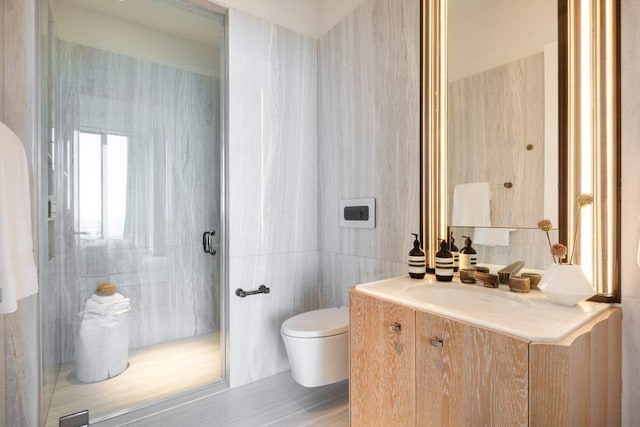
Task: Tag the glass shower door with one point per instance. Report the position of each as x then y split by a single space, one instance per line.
135 178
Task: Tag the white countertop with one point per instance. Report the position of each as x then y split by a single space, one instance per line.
542 321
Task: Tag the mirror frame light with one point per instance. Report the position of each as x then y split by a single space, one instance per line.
589 133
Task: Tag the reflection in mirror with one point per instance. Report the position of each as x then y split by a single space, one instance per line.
502 133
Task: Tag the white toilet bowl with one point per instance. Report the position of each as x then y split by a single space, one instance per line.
317 344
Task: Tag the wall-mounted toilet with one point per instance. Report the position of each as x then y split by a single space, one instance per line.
317 344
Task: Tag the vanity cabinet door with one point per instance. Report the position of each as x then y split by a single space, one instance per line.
382 370
469 376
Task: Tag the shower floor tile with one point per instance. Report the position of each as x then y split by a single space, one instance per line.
154 372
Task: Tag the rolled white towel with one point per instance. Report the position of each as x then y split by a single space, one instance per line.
110 308
117 307
101 299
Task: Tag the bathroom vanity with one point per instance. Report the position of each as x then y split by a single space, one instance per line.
423 354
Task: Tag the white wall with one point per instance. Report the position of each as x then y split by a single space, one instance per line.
331 12
488 33
130 38
312 18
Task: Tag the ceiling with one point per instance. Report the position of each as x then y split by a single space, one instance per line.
161 15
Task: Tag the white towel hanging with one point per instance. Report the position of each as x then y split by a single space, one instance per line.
492 236
471 205
18 274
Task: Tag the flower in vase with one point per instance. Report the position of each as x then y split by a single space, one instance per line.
545 225
559 250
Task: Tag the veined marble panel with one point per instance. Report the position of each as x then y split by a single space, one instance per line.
257 349
369 127
630 368
339 272
272 138
19 344
272 189
492 117
369 142
630 211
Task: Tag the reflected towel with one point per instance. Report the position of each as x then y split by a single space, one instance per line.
18 274
491 236
471 205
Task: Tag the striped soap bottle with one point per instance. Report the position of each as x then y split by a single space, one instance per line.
417 260
468 255
444 263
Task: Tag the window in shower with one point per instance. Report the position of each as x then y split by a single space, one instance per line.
101 183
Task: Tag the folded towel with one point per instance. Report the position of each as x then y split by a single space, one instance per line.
491 236
113 305
18 273
471 205
103 299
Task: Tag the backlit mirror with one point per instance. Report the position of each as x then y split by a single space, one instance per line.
494 115
502 127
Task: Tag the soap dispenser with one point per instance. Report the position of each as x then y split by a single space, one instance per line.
444 263
417 260
468 255
455 252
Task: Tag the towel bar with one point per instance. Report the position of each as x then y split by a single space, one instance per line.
261 290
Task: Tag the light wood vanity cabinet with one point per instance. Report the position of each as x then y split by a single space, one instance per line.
382 383
410 367
469 376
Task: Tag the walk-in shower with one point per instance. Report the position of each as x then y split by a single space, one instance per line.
133 109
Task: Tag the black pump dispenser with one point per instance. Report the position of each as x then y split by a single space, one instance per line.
468 255
444 263
417 260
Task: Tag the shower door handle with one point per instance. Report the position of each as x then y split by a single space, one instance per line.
207 242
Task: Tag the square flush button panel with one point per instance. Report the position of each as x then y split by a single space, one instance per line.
358 213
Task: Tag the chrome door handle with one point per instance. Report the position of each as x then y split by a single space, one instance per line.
207 242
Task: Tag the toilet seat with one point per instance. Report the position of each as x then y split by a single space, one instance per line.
318 323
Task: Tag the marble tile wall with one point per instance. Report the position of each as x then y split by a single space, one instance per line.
272 189
630 256
368 142
492 118
172 197
19 331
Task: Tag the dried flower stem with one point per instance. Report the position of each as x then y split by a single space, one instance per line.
549 240
575 236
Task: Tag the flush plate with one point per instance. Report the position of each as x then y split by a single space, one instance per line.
358 213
